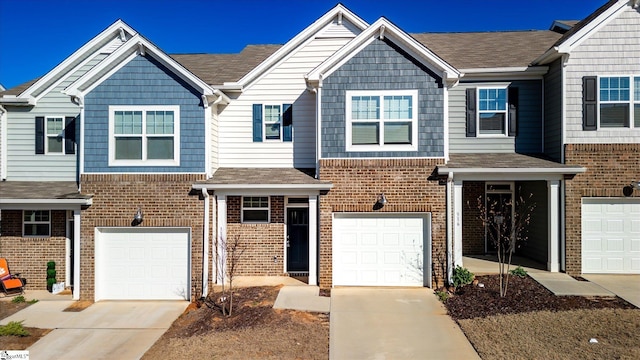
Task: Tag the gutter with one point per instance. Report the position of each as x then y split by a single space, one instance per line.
558 170
318 187
205 250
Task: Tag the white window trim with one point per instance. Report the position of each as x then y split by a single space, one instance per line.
631 102
47 136
24 222
264 123
479 133
144 108
268 208
382 147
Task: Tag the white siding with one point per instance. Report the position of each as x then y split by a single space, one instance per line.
614 50
284 84
22 162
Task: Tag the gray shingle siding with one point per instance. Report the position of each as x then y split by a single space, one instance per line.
382 67
144 81
553 111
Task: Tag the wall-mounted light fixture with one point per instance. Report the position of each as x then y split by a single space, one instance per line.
628 190
137 218
381 200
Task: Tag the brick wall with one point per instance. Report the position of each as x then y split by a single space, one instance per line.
166 201
29 256
263 243
610 167
472 228
357 183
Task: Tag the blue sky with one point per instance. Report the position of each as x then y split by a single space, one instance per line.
36 35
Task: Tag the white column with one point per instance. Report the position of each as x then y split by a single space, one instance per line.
76 254
313 240
457 222
205 245
221 256
554 220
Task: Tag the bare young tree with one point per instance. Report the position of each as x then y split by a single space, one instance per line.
228 264
506 224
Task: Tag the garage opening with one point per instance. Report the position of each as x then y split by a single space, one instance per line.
142 263
382 249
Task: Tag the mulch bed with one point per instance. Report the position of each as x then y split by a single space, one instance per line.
523 295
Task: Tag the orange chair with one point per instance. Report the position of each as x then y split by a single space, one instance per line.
11 284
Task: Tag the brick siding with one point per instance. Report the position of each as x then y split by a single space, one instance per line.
167 200
357 183
29 255
610 167
472 228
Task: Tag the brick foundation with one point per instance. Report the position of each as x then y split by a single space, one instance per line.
29 255
166 200
610 167
356 183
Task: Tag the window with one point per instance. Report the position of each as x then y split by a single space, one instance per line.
611 102
37 223
144 135
55 135
272 122
382 120
492 111
255 209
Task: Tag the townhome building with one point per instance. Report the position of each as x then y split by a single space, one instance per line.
352 155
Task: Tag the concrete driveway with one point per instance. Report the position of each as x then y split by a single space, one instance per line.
105 330
624 286
393 323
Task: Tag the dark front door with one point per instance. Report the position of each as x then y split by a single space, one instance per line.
298 239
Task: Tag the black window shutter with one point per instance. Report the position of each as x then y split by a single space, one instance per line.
589 103
39 134
69 134
471 112
257 122
287 121
513 111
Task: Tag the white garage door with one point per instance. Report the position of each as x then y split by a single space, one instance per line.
381 250
611 236
142 264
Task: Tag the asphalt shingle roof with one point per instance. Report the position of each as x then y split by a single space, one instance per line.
503 160
40 190
262 176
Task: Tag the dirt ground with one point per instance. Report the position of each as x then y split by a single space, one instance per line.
532 323
254 331
8 308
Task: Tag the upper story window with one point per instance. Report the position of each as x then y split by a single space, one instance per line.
492 111
272 122
37 223
611 102
382 120
144 135
255 209
55 135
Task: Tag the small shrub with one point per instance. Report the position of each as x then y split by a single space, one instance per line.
462 276
442 295
13 328
18 299
519 272
32 301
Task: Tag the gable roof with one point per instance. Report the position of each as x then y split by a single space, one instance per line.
28 90
475 50
216 69
137 45
383 28
583 29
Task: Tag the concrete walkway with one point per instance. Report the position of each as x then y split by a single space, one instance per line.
562 284
104 330
626 287
393 323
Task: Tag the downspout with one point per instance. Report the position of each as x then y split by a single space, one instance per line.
449 229
205 251
3 142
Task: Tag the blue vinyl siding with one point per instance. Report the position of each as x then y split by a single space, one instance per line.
144 81
382 67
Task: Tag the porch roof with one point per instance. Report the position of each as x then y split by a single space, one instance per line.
18 194
487 163
262 179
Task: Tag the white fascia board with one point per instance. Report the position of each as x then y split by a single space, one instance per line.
592 27
125 54
52 204
504 171
282 188
113 29
299 39
399 37
18 101
516 71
